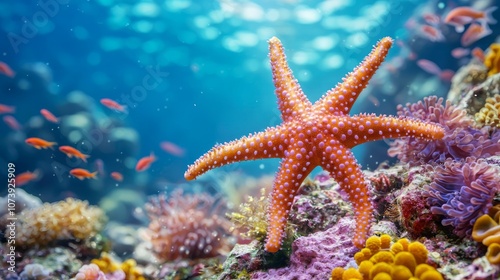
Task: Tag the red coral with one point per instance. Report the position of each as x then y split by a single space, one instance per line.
416 216
187 227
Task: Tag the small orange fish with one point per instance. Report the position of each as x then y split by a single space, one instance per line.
111 104
11 122
461 16
5 109
40 143
432 33
81 173
49 116
26 177
145 162
478 53
474 33
117 176
6 70
72 152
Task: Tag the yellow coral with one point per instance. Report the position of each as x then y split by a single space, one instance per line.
382 276
382 256
401 272
492 59
380 268
252 217
486 229
419 251
404 261
107 265
351 273
490 113
385 241
337 273
67 219
373 243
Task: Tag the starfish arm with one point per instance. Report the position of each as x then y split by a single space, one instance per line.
266 144
363 128
340 99
292 172
343 167
291 98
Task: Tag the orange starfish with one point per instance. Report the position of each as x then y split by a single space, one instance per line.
316 135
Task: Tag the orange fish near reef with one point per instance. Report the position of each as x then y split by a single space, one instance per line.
6 70
72 152
5 109
81 173
26 177
40 143
461 16
117 176
111 104
475 32
145 162
49 116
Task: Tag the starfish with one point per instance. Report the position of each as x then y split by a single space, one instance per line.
323 135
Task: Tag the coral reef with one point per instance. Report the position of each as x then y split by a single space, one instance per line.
461 138
490 113
188 226
462 191
381 260
71 219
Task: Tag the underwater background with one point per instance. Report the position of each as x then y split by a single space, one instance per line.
192 74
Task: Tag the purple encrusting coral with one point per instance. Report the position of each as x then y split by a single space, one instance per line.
462 191
461 138
315 256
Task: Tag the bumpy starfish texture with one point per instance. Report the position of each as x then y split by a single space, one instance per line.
316 135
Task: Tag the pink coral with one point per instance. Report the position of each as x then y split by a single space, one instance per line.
187 226
90 272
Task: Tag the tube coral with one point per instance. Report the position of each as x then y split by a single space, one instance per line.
462 191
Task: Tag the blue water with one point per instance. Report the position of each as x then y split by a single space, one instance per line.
194 73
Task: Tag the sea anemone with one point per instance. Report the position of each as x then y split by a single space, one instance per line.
461 138
187 226
462 191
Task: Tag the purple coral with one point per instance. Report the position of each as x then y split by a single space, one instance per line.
461 139
462 191
188 226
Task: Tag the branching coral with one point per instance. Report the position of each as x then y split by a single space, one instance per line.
380 260
492 59
461 139
70 219
490 113
462 191
187 226
252 217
